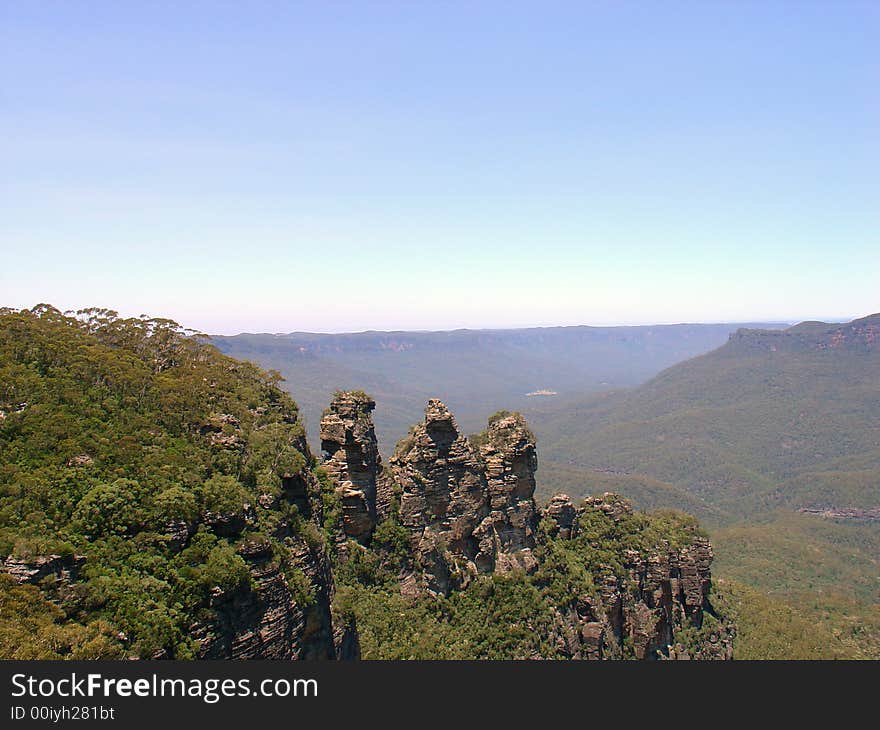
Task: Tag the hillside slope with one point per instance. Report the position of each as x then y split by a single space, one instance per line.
773 418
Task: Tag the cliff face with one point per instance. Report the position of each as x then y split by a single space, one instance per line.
285 611
645 609
269 621
860 335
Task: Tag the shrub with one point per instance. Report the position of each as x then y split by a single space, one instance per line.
109 509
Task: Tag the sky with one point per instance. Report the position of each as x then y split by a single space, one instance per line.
342 166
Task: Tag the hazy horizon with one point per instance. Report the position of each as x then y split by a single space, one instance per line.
281 333
227 332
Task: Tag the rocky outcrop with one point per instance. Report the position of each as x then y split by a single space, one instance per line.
351 459
564 517
856 514
222 430
443 501
510 463
580 631
643 611
469 509
60 568
270 619
285 611
468 506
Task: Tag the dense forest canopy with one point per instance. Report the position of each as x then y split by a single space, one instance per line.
116 435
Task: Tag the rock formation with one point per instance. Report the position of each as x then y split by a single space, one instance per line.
641 613
36 569
468 507
443 500
351 459
563 515
469 511
510 464
856 514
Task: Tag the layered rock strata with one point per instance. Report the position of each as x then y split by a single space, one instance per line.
641 612
270 620
285 611
351 459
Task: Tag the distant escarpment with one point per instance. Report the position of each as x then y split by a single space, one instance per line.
459 547
859 335
856 514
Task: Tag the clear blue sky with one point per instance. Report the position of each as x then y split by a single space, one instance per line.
339 166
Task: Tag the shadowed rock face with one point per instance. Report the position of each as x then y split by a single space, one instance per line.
267 619
468 511
351 459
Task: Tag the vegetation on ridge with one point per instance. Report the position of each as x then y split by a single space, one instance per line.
510 616
115 434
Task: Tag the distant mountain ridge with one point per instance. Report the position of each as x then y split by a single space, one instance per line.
404 340
476 371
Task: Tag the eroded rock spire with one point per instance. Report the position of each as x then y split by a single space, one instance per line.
351 459
468 506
